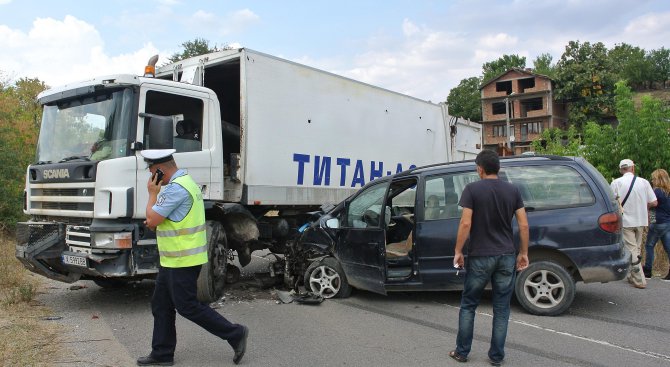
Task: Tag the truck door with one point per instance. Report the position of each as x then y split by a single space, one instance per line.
189 113
361 240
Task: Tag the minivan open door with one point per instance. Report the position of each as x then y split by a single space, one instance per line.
360 246
362 258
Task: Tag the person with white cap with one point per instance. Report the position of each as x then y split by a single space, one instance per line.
177 213
636 197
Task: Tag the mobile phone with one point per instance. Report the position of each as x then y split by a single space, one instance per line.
158 175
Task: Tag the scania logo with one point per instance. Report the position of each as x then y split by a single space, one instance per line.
56 173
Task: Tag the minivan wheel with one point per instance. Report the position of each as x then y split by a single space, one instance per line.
545 288
326 278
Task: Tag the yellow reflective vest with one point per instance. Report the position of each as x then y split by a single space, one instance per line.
184 243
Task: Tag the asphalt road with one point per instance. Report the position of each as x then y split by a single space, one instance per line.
610 324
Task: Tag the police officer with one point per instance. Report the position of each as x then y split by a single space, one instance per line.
177 214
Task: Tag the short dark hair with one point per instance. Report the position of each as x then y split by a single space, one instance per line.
488 160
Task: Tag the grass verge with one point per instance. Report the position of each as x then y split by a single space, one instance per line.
26 339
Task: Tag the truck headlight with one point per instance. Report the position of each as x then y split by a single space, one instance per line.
113 240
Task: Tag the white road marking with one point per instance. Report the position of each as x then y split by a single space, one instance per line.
591 340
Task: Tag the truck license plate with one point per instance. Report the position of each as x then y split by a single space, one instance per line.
75 260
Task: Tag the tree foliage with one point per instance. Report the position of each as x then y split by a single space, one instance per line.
19 113
601 149
198 46
559 142
660 64
464 100
494 68
631 64
636 137
585 78
642 135
542 65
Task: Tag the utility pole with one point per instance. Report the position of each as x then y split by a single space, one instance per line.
507 125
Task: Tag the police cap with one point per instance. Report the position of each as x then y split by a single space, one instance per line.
155 156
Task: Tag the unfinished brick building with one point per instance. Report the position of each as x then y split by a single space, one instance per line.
529 100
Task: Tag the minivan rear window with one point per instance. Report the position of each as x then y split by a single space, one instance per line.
550 186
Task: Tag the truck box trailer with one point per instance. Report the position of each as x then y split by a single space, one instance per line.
267 140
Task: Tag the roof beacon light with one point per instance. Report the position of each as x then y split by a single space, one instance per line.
150 69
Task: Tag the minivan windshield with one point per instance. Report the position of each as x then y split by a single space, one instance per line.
91 127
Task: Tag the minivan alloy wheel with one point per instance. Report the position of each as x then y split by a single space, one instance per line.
545 288
326 278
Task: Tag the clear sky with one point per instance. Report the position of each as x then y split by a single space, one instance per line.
422 47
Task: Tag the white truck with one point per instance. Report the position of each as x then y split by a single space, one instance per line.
268 140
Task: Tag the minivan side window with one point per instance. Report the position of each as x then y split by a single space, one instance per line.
442 193
365 210
548 187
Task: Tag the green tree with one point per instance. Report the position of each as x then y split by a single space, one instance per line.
636 137
642 135
464 100
585 78
494 68
601 149
19 113
660 64
198 46
542 65
631 64
556 141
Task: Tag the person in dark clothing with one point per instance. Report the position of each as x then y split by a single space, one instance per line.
177 214
660 229
488 208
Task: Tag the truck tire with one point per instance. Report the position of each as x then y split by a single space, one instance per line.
213 273
326 278
545 288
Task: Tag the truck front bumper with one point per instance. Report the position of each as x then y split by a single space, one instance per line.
42 248
39 246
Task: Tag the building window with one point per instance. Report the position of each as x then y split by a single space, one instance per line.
505 86
526 83
533 104
533 127
498 108
501 130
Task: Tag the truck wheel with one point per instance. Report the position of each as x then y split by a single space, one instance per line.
110 283
213 273
545 288
326 278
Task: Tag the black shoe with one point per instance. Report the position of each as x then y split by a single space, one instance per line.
242 347
667 277
151 361
495 363
647 273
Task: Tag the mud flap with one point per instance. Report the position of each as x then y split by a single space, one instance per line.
39 246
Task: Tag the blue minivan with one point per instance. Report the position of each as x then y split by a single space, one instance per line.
398 233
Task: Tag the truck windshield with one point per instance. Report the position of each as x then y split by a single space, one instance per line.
92 127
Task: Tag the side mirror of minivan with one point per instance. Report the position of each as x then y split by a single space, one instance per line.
333 223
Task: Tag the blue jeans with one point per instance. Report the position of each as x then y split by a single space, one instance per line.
656 231
500 271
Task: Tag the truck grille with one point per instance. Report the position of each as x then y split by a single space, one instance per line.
78 236
62 199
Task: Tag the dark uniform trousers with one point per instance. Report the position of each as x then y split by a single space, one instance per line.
176 289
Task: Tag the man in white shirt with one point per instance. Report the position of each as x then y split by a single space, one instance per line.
636 197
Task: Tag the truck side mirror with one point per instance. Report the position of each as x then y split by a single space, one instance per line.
158 131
